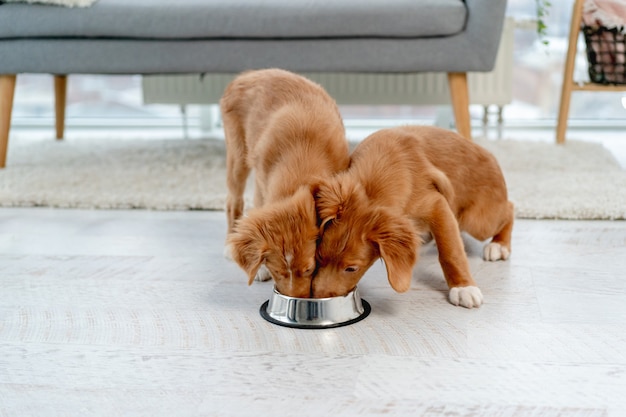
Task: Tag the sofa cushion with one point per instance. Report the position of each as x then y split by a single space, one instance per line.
236 19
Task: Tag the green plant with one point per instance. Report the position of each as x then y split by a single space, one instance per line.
543 7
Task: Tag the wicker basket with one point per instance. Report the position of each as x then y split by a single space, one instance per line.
606 53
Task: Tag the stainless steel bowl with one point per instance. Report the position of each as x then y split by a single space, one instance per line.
315 313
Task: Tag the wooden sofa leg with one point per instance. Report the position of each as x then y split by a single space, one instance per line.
459 94
7 91
60 94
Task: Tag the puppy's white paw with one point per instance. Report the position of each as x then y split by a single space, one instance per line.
468 297
228 252
495 252
263 274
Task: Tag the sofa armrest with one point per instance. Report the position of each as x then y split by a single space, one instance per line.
484 30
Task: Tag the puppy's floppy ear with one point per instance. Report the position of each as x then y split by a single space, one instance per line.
332 196
248 246
398 244
327 201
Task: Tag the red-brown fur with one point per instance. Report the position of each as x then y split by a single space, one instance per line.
288 130
403 184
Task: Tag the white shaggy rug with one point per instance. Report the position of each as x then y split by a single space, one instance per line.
579 180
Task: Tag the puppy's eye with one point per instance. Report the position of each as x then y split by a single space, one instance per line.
351 269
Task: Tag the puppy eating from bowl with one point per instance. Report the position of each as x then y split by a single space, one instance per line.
289 131
403 184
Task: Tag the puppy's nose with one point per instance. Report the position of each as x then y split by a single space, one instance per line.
317 292
301 291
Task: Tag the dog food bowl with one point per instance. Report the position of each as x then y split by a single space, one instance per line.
315 313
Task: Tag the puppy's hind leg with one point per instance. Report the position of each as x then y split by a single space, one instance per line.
500 246
234 198
237 171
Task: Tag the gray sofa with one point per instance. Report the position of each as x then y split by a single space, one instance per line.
229 36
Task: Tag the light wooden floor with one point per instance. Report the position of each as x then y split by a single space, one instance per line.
136 313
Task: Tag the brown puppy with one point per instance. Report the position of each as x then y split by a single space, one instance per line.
289 131
404 183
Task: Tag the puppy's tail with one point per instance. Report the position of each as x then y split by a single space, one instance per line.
442 184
